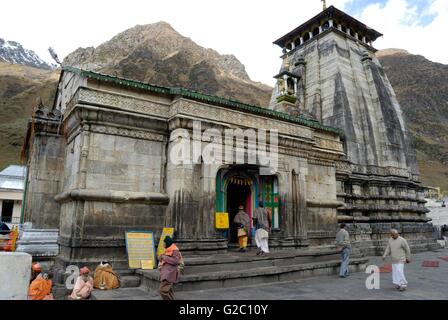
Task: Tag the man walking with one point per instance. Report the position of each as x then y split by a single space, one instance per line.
400 252
343 244
445 235
263 221
168 266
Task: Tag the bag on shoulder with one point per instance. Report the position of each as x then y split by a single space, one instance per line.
242 232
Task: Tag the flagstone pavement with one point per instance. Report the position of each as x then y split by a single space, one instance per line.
424 283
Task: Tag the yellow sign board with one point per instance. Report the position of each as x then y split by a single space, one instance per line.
147 264
161 246
222 220
140 249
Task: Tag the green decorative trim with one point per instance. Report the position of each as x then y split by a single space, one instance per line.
287 98
193 95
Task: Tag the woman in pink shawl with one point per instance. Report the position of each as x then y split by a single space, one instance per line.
83 286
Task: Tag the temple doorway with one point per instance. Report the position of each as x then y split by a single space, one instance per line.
237 194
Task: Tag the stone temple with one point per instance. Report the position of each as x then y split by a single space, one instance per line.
99 162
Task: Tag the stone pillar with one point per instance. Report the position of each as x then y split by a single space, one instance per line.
299 205
295 86
293 45
45 166
320 29
311 34
330 23
301 40
339 27
364 39
348 31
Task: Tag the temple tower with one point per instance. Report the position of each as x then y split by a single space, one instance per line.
330 73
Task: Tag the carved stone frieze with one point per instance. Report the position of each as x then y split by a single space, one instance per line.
123 102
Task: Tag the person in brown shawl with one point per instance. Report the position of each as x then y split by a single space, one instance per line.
105 278
242 222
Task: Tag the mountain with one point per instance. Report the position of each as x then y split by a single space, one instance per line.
20 87
13 52
421 87
156 53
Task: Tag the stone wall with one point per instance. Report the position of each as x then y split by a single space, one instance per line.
45 172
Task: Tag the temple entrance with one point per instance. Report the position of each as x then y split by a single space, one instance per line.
244 186
237 195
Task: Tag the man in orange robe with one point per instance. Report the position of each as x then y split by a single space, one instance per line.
105 278
40 288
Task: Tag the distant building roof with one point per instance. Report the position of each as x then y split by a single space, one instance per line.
13 178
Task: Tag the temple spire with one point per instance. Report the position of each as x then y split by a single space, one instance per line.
324 4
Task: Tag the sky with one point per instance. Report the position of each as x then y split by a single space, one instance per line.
244 28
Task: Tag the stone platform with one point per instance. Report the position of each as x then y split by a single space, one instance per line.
234 269
424 284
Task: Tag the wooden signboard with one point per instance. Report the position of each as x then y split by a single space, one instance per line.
140 249
222 220
161 246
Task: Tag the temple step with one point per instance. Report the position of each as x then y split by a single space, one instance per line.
130 281
241 261
248 274
124 294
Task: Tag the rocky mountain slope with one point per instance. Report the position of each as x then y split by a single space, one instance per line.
158 54
422 90
13 52
20 87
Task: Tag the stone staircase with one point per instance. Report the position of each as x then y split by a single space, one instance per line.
40 243
235 269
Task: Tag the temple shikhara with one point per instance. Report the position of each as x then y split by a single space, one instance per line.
99 164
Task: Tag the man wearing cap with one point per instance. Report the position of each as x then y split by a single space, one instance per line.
40 287
168 265
83 286
242 222
35 270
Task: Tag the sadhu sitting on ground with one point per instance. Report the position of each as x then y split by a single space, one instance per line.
242 222
105 278
40 287
83 286
36 269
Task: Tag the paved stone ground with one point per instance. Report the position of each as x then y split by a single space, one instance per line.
424 283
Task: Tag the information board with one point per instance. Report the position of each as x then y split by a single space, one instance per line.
222 220
161 246
140 249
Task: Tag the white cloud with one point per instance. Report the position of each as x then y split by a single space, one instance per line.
399 21
245 28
